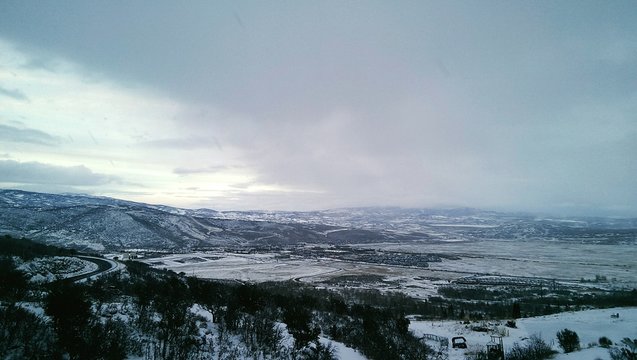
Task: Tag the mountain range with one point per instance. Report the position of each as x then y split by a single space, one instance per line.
107 224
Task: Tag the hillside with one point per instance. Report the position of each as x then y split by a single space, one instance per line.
100 223
109 224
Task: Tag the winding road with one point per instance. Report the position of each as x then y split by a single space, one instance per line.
103 266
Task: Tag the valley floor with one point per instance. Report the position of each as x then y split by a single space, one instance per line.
569 264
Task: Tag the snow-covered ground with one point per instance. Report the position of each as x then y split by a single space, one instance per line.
48 269
243 267
210 331
555 259
270 267
590 325
490 258
343 351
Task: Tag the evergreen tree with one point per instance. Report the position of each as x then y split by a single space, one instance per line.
70 310
515 310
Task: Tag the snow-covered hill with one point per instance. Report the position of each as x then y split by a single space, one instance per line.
590 325
103 223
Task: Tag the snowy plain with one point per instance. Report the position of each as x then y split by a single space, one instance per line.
565 262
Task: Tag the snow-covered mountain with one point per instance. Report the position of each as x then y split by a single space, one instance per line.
110 224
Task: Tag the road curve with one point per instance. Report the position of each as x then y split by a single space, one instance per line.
103 266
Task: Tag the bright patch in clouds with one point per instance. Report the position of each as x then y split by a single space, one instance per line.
65 129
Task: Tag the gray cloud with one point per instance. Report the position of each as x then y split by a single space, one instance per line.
508 105
39 173
184 143
43 62
25 135
243 185
14 94
203 170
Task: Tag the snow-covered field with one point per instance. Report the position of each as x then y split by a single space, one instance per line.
554 259
590 325
567 262
270 267
242 267
343 351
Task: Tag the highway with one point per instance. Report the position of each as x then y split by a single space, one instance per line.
103 266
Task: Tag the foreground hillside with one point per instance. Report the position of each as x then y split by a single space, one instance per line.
144 313
140 312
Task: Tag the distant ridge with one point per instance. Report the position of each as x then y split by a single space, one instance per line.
107 224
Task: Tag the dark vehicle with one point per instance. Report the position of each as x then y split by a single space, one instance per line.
459 342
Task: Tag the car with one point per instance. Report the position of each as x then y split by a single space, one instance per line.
459 342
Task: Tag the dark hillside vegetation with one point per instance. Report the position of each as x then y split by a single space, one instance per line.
501 302
159 314
150 313
28 249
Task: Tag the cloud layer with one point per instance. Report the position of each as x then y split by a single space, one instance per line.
15 94
504 105
39 173
14 134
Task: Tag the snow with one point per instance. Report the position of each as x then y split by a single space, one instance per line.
202 312
482 226
243 267
48 269
122 311
560 260
343 352
288 339
34 308
563 262
590 325
593 353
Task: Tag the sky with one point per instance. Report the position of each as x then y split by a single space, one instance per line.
306 105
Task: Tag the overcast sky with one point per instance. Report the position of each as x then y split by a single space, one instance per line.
300 105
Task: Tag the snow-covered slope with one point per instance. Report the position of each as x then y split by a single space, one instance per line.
110 224
590 325
103 223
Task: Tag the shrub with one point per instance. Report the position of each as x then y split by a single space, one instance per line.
24 335
628 351
70 309
605 342
13 282
568 340
317 351
515 310
537 349
478 355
